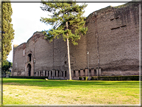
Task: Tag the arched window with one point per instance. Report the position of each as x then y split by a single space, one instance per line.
29 57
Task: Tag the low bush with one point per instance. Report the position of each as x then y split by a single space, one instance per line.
80 78
86 78
116 78
94 78
30 77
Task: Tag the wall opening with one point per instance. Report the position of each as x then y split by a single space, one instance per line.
58 73
123 26
117 18
55 73
115 28
45 73
62 74
74 73
89 72
79 73
65 73
29 69
51 73
114 18
29 57
95 72
84 72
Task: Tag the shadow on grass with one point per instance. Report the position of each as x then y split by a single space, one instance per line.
67 83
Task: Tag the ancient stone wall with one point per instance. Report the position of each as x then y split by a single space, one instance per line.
60 55
78 54
112 41
43 54
19 60
114 44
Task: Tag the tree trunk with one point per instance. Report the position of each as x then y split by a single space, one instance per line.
68 53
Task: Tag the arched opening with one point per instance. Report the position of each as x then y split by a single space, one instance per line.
29 57
29 69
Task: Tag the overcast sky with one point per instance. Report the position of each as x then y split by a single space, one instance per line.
26 19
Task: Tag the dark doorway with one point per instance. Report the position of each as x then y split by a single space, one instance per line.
29 69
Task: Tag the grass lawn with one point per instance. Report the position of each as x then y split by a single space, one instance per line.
39 91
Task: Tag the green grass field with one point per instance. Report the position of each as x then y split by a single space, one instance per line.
39 91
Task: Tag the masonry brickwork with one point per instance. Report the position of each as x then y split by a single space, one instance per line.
112 41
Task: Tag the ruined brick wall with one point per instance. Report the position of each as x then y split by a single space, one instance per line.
18 60
78 54
43 54
60 55
112 41
113 36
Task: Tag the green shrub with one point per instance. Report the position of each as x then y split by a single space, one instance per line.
86 78
95 78
80 78
30 77
116 78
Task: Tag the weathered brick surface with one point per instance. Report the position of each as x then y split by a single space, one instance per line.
112 41
118 48
18 59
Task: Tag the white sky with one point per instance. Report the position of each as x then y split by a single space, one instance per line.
26 19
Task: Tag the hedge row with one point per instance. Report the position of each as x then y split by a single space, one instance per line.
113 78
30 77
134 77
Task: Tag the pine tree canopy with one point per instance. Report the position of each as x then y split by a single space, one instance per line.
7 28
63 12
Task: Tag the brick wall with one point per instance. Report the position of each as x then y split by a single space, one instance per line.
117 35
112 40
